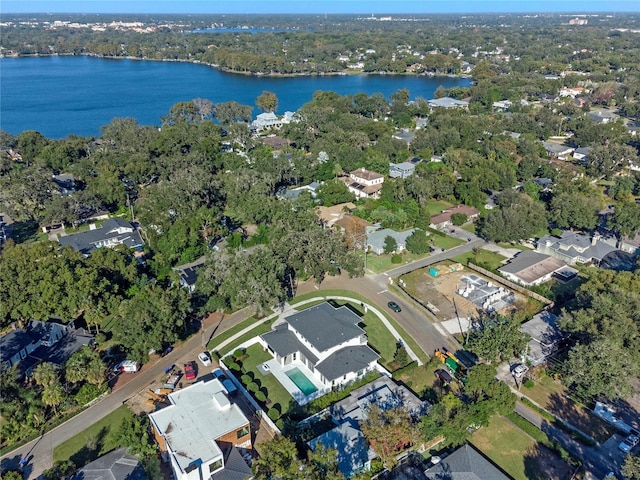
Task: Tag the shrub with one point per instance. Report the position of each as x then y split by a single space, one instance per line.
529 383
87 393
252 387
239 353
280 423
260 396
234 366
245 379
401 357
101 338
459 219
396 258
273 414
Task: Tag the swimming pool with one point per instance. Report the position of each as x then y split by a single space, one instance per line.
302 382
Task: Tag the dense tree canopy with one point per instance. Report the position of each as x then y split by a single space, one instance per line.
607 327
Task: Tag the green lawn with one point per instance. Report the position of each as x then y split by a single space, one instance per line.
515 245
262 327
552 396
382 263
445 242
419 378
437 206
470 227
517 453
481 258
94 441
275 392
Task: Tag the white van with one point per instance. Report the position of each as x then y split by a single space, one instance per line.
127 366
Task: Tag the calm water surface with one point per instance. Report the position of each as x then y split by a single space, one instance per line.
58 96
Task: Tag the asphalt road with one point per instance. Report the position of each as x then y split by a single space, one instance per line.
415 320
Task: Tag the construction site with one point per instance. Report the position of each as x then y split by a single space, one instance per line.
450 290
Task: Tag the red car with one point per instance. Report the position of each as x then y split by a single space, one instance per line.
190 371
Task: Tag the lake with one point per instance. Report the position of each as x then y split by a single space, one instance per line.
62 95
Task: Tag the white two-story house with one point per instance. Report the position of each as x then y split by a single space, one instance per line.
326 340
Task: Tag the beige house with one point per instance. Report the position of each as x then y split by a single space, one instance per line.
364 183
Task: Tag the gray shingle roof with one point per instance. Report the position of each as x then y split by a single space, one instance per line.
325 326
85 242
115 465
284 342
466 463
13 342
347 360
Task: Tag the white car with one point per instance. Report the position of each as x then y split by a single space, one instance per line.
520 370
204 358
628 443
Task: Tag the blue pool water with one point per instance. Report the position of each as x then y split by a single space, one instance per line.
301 381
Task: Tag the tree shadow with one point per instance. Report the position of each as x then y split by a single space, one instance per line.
91 450
579 417
542 464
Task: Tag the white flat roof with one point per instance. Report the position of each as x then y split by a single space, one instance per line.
195 419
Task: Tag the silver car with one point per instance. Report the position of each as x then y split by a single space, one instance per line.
204 358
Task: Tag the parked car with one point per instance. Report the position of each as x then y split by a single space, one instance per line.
205 359
519 370
190 371
444 376
629 443
394 306
226 383
127 366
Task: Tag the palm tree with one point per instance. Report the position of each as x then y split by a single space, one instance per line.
46 374
53 395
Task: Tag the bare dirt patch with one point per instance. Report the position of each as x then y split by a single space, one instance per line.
440 292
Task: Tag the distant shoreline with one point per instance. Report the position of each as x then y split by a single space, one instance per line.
249 74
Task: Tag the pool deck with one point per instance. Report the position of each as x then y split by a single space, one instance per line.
272 367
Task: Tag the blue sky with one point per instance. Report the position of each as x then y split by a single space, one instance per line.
321 6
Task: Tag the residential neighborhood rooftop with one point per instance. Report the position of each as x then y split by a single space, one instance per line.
113 231
466 463
325 326
198 415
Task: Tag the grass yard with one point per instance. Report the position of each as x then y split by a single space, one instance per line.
218 339
382 263
419 378
276 393
517 453
437 206
94 441
552 396
446 242
481 257
470 227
